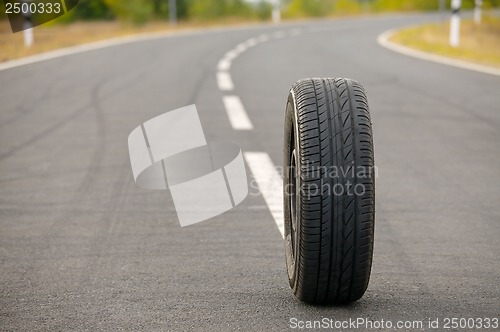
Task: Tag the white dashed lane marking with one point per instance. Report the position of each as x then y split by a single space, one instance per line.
225 81
224 64
236 113
264 171
270 184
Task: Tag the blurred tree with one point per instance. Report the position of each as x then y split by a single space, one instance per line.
348 7
211 9
264 10
160 8
3 15
182 9
92 10
314 8
137 11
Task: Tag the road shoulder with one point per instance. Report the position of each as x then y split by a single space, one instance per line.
384 41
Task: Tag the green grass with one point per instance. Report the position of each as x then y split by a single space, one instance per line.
478 43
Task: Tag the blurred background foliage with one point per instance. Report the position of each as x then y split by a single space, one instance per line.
321 8
141 11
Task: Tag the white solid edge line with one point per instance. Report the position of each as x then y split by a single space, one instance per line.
87 47
383 40
236 112
270 184
92 46
224 81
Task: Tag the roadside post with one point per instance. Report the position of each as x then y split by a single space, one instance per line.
277 11
478 11
172 10
27 26
455 23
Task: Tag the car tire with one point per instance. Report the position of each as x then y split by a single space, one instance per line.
329 190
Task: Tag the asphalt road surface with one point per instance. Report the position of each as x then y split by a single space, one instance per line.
81 247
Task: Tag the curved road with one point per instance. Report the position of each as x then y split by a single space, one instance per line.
81 247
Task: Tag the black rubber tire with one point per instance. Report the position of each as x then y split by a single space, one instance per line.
328 231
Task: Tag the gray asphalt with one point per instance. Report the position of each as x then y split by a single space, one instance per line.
82 248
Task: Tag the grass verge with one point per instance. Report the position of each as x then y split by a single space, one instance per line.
478 43
57 36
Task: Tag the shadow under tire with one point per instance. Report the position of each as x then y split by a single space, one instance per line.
329 190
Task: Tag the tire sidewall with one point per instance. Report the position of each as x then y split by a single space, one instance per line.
291 127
